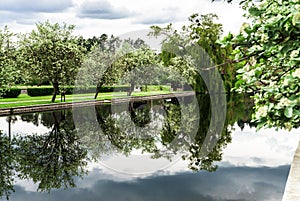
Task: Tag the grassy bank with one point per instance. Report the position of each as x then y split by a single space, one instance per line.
25 100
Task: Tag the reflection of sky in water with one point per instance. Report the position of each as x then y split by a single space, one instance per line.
254 167
228 183
22 127
263 148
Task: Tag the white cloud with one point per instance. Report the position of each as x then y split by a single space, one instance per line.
163 16
94 17
28 6
102 9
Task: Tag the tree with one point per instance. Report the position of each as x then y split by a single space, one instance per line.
9 71
269 51
198 39
98 69
103 42
139 66
7 164
52 52
101 66
54 159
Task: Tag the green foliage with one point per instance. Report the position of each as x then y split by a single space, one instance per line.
270 49
104 43
200 40
51 52
99 66
11 93
163 128
36 81
54 159
138 67
9 71
7 164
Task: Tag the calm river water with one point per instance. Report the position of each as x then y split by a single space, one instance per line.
164 149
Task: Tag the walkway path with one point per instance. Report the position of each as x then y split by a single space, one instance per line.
292 188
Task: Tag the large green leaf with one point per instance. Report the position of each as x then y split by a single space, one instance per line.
288 112
254 11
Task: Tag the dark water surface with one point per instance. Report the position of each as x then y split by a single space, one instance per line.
148 150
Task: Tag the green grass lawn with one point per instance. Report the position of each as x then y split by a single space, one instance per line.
25 100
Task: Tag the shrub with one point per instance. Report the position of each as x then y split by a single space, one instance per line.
11 93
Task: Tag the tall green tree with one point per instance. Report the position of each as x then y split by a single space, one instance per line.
102 64
98 69
269 48
52 52
138 66
199 39
9 71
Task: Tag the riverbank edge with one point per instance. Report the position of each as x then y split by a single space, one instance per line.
69 105
291 191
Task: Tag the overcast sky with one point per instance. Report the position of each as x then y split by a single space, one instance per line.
94 17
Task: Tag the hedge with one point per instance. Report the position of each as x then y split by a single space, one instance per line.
155 88
39 91
11 93
92 89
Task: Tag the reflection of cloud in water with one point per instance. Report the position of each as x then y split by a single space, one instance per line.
263 148
236 179
137 165
231 183
248 148
22 127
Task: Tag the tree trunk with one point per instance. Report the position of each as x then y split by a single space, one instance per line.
130 89
55 92
99 85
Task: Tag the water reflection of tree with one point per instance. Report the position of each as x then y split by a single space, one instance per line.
239 109
173 136
176 138
105 136
31 117
126 137
55 158
52 159
139 112
7 164
90 133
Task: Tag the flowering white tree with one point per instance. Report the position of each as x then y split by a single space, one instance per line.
269 48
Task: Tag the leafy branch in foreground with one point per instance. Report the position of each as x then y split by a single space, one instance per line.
273 74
